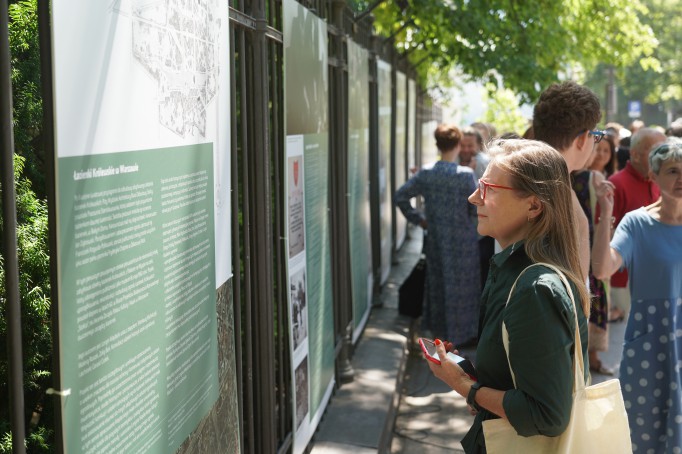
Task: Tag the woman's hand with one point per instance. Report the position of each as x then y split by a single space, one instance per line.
604 191
449 372
605 260
459 381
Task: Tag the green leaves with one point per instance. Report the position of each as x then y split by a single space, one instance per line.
34 290
528 44
27 100
658 79
656 76
503 111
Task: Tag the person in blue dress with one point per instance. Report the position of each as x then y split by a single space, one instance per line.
452 265
648 242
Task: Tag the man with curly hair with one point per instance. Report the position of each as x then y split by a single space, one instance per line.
565 117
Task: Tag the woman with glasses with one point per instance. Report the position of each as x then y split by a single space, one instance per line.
648 242
604 158
524 201
451 245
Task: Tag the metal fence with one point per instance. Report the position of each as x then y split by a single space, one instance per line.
260 290
259 286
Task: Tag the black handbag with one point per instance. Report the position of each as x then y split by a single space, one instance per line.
411 292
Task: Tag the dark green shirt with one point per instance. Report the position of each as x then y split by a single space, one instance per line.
540 322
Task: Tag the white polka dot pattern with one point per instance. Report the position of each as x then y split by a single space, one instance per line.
651 376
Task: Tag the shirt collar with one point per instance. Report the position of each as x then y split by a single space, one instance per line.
501 257
632 171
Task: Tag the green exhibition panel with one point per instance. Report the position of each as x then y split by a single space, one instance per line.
385 203
142 145
400 151
140 348
318 264
311 310
359 225
411 126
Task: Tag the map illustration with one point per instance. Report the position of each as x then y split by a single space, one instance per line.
177 43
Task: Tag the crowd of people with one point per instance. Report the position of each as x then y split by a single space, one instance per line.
598 212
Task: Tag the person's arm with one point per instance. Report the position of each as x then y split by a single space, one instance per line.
596 179
539 320
453 375
605 259
541 346
583 236
402 197
619 203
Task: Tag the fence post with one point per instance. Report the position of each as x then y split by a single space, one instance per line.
262 236
339 199
9 240
46 78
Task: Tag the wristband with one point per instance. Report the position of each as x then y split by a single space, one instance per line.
471 398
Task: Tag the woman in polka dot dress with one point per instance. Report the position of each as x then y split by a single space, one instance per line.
648 242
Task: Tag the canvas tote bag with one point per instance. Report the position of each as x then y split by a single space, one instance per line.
598 421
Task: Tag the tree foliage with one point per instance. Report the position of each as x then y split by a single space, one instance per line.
659 79
32 227
34 290
27 100
528 44
504 111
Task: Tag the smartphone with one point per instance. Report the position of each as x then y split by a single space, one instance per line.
429 349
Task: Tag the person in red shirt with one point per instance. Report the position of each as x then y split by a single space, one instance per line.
632 190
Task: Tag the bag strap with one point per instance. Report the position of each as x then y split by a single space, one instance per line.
578 367
593 198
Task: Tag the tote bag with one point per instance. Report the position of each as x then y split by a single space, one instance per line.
598 424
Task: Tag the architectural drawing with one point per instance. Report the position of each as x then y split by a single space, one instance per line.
177 43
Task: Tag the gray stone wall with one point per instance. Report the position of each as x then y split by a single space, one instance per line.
218 432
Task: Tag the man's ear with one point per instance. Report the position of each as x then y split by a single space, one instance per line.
581 140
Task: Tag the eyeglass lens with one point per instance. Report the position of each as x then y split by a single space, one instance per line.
598 136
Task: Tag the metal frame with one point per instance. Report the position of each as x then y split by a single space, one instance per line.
262 347
259 285
9 241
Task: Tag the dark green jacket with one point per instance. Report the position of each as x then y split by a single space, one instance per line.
540 323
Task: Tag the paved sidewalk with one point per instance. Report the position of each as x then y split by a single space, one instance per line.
432 418
361 414
395 405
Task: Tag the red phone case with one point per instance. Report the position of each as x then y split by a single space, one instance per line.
468 367
428 356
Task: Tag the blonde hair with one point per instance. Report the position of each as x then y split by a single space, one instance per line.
538 169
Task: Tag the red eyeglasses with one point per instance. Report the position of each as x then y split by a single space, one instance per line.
483 187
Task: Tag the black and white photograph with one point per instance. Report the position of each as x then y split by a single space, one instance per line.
299 310
301 391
